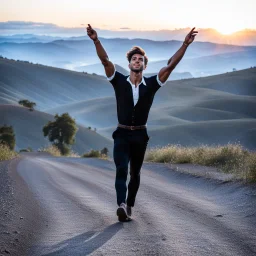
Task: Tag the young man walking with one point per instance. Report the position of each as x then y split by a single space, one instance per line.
134 97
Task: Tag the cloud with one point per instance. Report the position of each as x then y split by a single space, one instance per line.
16 25
22 27
125 28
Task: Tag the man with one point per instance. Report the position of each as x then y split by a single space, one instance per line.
134 97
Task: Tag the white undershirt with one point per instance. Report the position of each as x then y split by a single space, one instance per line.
135 90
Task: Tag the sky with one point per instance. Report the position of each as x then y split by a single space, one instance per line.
226 16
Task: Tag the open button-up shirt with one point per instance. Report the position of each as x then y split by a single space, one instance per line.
135 90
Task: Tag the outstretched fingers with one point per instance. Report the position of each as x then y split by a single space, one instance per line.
89 29
192 32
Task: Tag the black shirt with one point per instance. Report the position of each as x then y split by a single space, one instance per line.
127 113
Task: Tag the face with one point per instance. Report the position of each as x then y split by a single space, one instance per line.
137 63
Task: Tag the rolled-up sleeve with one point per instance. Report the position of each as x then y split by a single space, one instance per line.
159 82
110 78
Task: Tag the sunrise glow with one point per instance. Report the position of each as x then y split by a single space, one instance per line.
225 16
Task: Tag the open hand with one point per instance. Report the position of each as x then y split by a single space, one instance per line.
91 33
190 36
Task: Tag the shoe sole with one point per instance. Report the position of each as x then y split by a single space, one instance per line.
122 216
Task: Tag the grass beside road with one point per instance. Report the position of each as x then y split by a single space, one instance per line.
231 158
6 153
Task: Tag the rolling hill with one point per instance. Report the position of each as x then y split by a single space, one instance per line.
28 127
210 110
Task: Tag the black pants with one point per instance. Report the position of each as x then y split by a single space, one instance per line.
129 146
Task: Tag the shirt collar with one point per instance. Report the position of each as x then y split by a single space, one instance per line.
142 81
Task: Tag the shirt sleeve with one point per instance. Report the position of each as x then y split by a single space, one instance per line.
159 82
116 78
111 78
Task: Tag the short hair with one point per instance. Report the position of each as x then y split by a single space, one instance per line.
137 50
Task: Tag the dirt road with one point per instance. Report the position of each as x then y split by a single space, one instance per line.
174 213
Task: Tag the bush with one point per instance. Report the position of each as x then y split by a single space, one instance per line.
104 151
6 153
96 153
29 149
7 136
92 153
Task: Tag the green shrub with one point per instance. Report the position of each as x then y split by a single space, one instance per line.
96 153
7 136
92 153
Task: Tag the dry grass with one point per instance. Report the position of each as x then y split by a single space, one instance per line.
53 150
6 153
231 158
73 154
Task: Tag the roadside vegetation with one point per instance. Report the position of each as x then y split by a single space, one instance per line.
61 132
6 153
231 158
7 143
53 150
103 154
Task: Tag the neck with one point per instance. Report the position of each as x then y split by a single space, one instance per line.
135 77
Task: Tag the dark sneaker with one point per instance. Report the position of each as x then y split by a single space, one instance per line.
129 211
122 212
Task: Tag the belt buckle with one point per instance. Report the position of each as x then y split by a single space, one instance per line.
132 128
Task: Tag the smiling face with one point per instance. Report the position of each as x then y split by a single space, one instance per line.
137 63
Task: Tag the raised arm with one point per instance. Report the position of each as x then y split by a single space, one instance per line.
108 65
175 59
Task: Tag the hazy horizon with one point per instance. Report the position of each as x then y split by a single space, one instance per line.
20 27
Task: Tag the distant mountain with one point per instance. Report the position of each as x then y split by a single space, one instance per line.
173 76
122 70
243 37
210 110
28 38
71 54
99 70
212 65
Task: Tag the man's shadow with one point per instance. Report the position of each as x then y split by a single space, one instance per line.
85 243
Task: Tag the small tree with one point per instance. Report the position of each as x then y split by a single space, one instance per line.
104 151
27 104
61 132
7 136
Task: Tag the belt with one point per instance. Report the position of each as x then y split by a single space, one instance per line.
137 127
